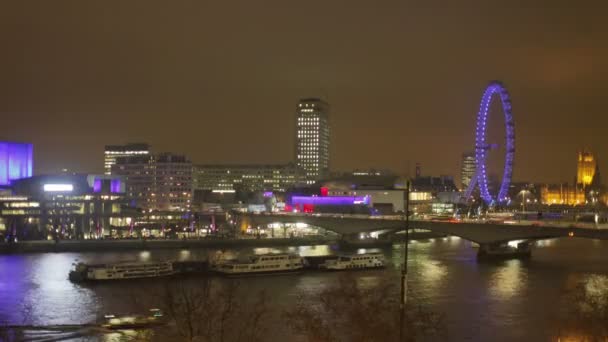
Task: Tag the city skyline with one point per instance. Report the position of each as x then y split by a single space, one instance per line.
396 97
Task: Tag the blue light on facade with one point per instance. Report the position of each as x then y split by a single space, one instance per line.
116 186
97 185
16 161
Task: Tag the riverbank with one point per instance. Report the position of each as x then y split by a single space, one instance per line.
46 246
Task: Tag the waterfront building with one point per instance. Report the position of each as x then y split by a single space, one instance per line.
467 169
562 194
330 204
157 182
64 207
16 161
112 152
312 138
586 168
247 177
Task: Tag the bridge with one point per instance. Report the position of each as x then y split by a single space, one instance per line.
490 236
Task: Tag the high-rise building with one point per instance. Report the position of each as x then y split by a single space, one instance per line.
157 182
586 168
115 151
467 169
16 161
312 138
229 178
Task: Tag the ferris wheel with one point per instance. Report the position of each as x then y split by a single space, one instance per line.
482 147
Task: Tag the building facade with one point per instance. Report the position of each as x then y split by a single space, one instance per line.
63 206
16 161
586 167
312 138
562 194
112 152
248 177
157 182
467 169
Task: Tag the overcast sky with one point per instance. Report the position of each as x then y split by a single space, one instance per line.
219 80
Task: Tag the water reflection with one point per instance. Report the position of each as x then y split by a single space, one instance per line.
596 286
432 272
144 256
480 300
184 255
509 280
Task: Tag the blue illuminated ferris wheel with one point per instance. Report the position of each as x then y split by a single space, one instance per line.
482 147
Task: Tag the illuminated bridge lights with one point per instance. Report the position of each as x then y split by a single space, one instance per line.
482 147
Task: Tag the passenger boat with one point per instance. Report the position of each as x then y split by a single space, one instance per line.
261 264
123 270
354 262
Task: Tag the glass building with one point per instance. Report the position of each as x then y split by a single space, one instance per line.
467 169
115 151
312 138
64 206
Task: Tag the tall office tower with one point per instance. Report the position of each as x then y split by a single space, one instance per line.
586 168
114 151
312 138
467 169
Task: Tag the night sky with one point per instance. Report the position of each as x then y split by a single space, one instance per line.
219 80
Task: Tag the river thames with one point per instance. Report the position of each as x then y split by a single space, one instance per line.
481 301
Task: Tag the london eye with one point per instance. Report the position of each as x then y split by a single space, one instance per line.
482 147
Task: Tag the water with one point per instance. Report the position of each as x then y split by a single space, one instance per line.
499 301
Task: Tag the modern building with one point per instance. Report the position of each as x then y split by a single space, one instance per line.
247 177
112 152
362 172
157 182
586 167
16 161
64 207
330 204
312 138
434 185
467 169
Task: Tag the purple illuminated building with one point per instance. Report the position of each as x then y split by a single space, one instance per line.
16 161
330 200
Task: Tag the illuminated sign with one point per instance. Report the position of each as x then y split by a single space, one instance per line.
58 187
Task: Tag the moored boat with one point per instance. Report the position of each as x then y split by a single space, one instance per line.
122 270
261 264
354 262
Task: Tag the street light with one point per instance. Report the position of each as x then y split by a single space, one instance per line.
404 266
523 193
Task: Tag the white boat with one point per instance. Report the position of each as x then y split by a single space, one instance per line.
261 264
122 270
354 262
